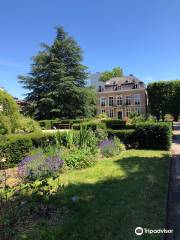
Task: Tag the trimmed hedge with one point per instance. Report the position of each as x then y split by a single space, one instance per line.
49 124
15 147
126 136
89 125
156 136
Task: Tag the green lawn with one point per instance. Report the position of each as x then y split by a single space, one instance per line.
114 197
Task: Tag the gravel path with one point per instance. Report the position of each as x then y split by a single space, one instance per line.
173 207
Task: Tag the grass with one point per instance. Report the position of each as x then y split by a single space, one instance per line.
112 198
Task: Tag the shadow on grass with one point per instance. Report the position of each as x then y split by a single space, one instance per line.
107 210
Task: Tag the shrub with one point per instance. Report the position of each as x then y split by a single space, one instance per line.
28 125
45 124
101 134
90 125
146 136
5 125
154 136
126 136
111 147
40 164
14 151
15 147
114 123
79 158
168 118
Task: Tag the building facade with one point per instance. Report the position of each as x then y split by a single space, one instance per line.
120 96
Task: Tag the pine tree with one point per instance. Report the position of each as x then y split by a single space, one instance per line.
56 82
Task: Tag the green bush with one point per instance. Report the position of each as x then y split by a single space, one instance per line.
111 147
28 125
5 125
45 124
146 136
126 136
13 151
90 125
154 135
114 123
15 147
79 158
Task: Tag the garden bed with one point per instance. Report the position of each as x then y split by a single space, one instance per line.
107 201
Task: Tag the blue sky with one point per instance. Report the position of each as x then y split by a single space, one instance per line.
141 36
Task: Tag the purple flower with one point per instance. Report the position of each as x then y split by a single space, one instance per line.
39 164
105 143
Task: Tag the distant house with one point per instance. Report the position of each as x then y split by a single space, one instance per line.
119 96
21 103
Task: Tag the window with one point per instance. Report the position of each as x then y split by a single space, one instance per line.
103 111
111 100
103 101
100 89
111 113
138 110
128 100
119 100
137 99
128 111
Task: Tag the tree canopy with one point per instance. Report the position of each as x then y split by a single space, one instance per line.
116 72
164 98
56 82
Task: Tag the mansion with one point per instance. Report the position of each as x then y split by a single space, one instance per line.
120 96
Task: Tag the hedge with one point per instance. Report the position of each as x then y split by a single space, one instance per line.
89 125
15 147
157 136
49 124
126 136
154 135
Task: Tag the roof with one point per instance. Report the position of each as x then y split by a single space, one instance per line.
122 80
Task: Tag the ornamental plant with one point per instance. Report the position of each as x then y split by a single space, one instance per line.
40 164
111 147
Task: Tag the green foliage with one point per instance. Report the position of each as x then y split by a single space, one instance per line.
101 133
5 125
116 72
126 136
106 189
89 125
13 151
117 124
11 120
154 136
164 98
40 164
57 81
146 135
14 148
9 114
79 158
168 118
111 148
28 125
88 139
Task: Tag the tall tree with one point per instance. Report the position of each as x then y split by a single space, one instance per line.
116 72
164 97
56 82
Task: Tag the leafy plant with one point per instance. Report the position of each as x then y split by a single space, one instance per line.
111 147
79 158
39 165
